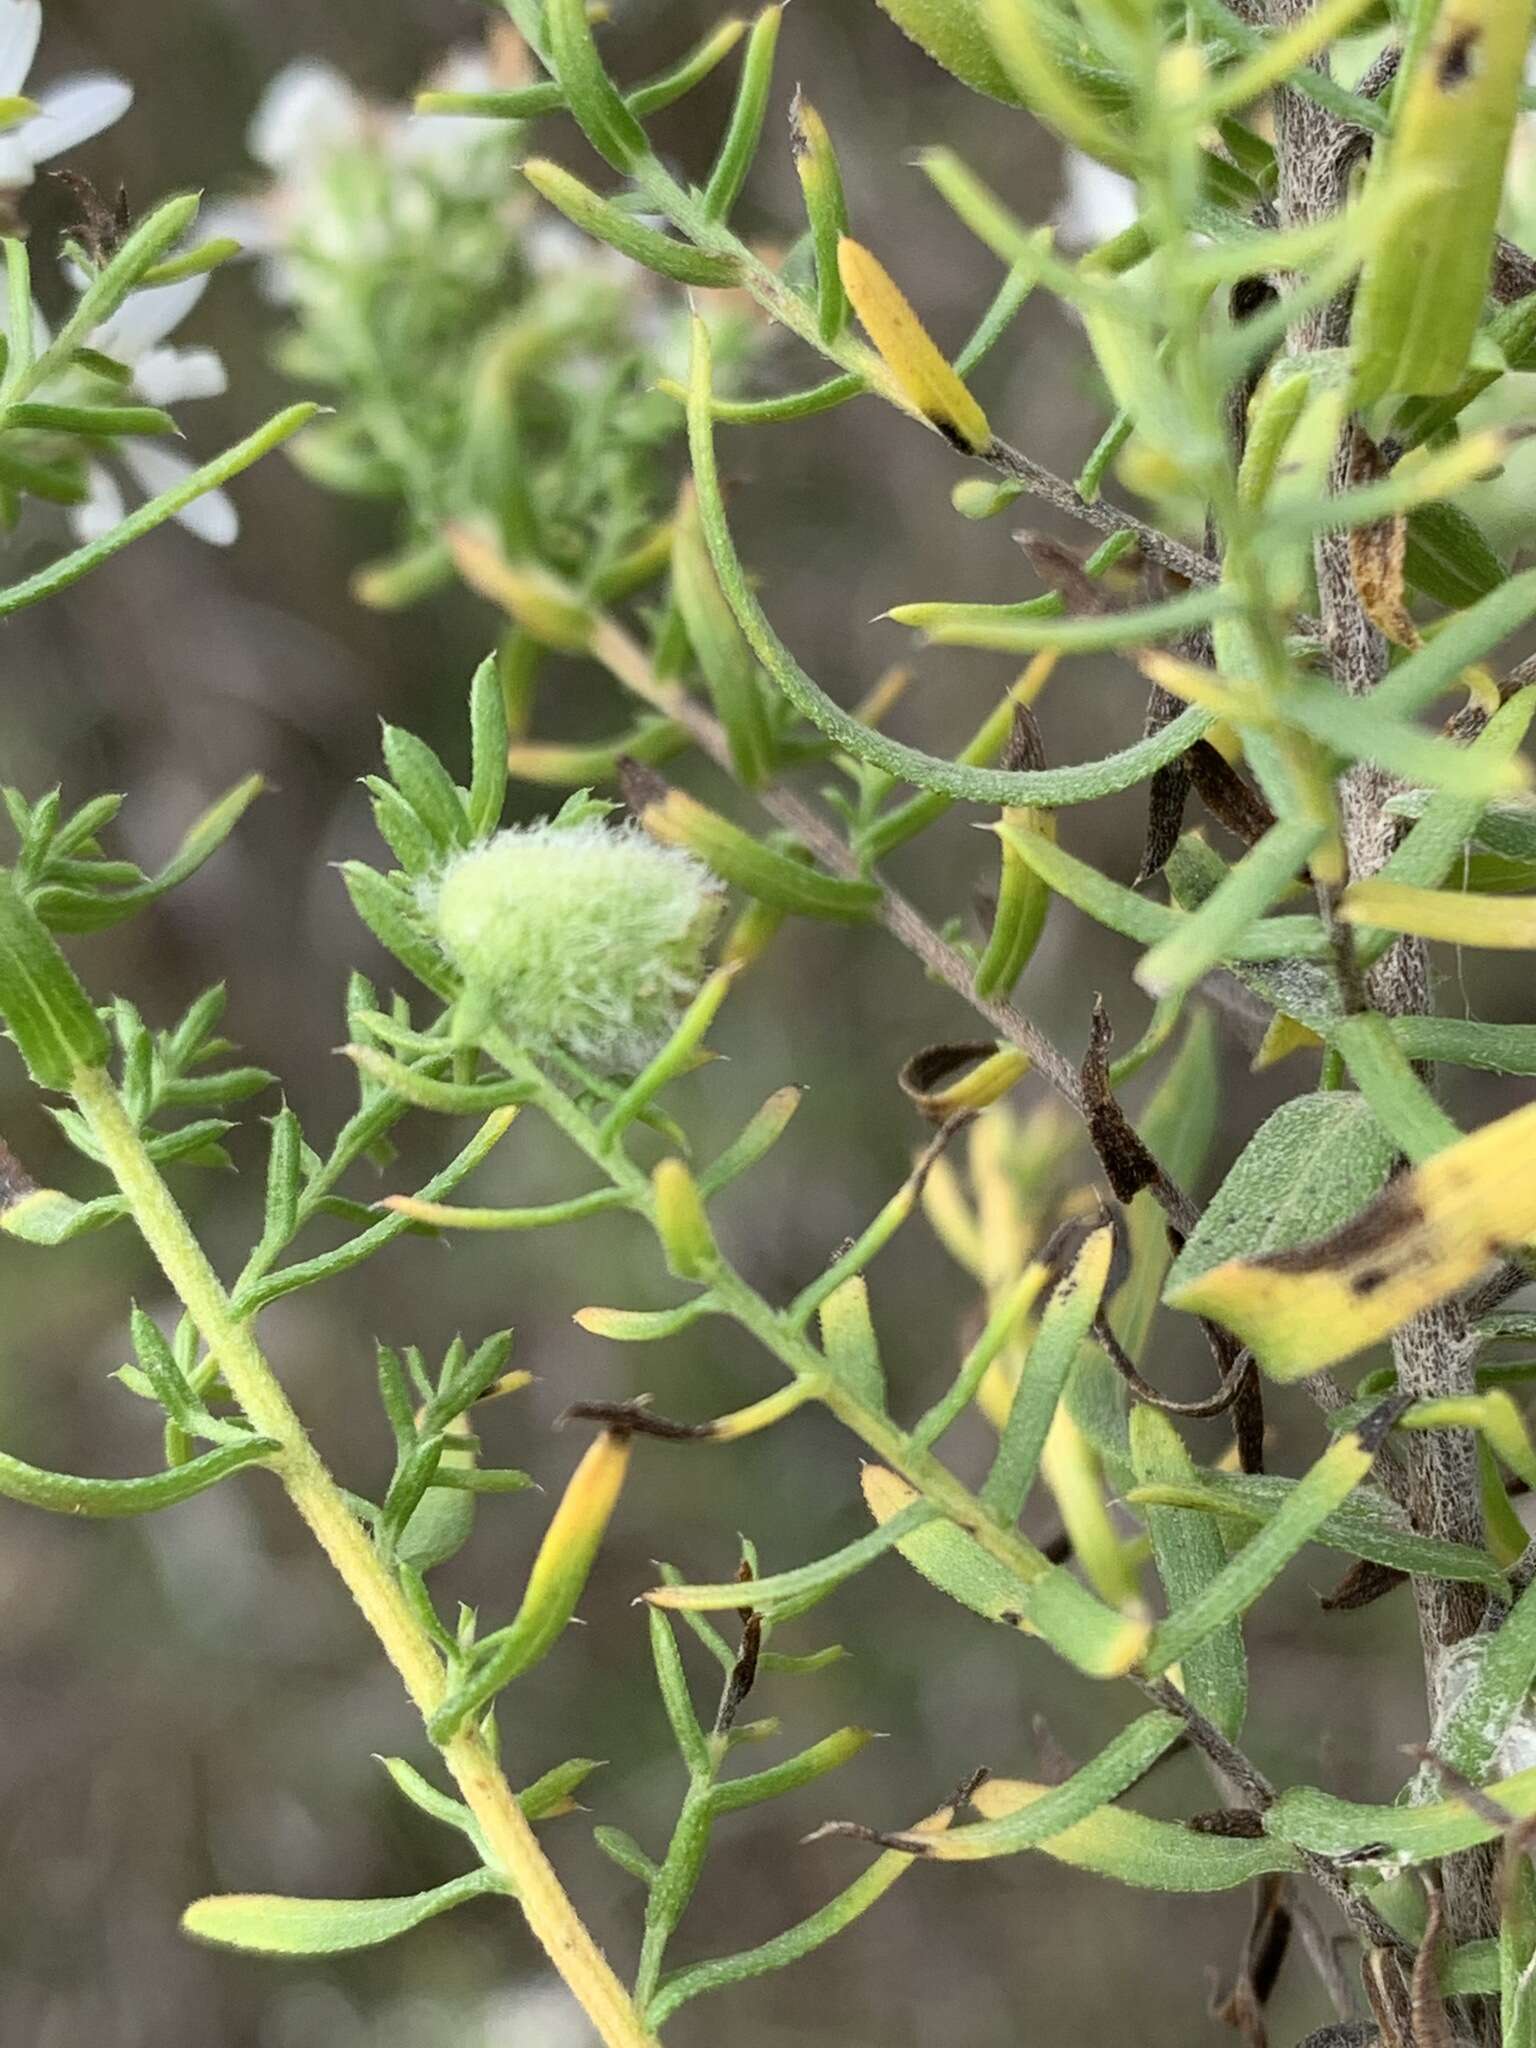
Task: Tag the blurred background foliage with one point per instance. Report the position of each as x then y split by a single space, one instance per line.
186 1703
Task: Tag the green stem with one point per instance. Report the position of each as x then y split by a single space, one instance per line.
323 1506
776 1330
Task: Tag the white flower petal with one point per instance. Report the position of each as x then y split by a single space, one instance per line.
21 23
211 517
147 317
74 111
100 510
167 376
308 109
15 163
1099 202
246 221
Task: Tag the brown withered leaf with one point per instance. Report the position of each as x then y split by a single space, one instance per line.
1061 568
1025 751
743 1673
103 225
15 1181
1237 1823
1377 553
1431 2022
1247 1396
1128 1165
1167 794
1364 1583
635 1418
1168 791
1264 1948
1230 799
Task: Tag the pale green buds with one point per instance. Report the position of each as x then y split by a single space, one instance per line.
578 937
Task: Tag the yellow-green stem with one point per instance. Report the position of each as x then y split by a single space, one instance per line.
509 1837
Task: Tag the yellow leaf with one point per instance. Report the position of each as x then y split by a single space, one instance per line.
1427 1234
1505 922
1284 1036
923 376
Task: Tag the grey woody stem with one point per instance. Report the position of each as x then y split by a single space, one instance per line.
1433 1354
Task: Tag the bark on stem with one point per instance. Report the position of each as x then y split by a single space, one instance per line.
1434 1353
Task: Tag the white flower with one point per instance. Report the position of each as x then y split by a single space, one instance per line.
449 143
70 112
162 375
308 112
1099 202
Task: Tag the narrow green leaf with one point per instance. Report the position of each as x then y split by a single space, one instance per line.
731 1795
999 627
446 1098
1154 1855
608 223
796 1942
251 1298
1405 1834
1047 788
264 1923
1463 639
1417 307
390 914
1464 1042
1261 1560
826 209
1448 557
1367 1525
739 145
1190 1555
1403 1105
44 1008
109 1499
426 786
849 1344
606 121
775 878
756 1138
727 663
1047 1812
808 1583
101 422
1093 1637
1175 964
1138 917
70 568
1069 1314
76 910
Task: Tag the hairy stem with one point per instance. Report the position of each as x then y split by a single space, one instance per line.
1433 1353
780 1334
313 1491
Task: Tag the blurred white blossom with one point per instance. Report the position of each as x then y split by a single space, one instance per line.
68 112
1099 203
350 178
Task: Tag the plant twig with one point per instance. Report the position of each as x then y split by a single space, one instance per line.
321 1503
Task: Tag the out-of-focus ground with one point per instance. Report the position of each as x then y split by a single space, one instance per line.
187 1704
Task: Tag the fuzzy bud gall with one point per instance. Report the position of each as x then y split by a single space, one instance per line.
578 937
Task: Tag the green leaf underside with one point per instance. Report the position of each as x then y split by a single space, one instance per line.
1363 1527
1316 1161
